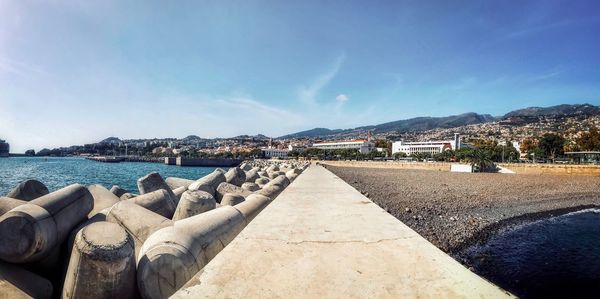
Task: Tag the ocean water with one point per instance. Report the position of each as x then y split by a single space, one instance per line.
557 257
56 172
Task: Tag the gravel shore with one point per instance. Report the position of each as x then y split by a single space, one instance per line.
455 210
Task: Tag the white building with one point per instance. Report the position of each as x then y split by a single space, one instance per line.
364 147
428 147
274 153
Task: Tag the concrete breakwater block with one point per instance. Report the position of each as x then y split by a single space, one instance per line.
253 205
175 183
102 264
159 201
210 182
118 191
103 199
153 182
261 182
28 190
225 188
16 282
8 203
179 191
235 176
250 187
172 255
193 203
139 222
252 175
230 199
42 224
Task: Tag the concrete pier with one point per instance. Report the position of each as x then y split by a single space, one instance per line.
323 239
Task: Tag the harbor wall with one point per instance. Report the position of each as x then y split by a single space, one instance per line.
519 168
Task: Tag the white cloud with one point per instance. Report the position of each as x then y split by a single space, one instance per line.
308 94
341 98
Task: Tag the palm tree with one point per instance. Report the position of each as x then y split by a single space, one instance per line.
482 159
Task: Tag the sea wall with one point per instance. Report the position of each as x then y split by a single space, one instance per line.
439 166
520 168
557 169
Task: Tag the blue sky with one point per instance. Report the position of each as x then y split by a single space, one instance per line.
74 72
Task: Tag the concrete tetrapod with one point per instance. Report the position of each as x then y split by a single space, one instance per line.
230 199
30 231
16 283
172 255
152 182
235 176
7 204
253 205
28 190
102 264
158 201
103 199
193 203
225 188
118 191
179 191
175 183
250 187
209 183
139 222
252 175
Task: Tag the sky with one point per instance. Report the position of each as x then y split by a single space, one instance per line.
75 72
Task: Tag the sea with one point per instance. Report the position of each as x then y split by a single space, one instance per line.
557 257
59 172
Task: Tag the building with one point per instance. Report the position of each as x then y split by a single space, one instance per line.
273 153
427 147
363 146
4 148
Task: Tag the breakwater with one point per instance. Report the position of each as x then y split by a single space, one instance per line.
202 162
118 159
123 243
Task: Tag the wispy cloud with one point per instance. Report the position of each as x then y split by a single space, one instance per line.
341 98
308 94
11 66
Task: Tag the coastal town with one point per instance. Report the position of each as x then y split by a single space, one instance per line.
565 135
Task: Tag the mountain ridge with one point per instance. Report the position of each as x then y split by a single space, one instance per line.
424 123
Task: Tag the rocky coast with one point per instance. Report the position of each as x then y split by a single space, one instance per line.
456 210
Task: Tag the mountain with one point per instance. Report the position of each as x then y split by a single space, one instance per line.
111 140
559 110
427 123
416 124
316 132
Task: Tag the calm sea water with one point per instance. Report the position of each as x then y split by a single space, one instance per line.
56 173
553 258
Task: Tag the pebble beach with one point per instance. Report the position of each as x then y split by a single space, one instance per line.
455 210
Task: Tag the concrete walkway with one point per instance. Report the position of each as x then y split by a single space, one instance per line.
323 239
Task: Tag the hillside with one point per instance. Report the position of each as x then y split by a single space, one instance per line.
421 124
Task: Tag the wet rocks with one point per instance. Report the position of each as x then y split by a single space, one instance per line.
28 190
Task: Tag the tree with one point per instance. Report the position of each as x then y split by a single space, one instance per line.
528 144
552 145
481 160
589 141
399 155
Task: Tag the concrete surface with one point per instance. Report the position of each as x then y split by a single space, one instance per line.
322 239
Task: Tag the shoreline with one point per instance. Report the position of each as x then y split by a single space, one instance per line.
457 211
